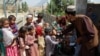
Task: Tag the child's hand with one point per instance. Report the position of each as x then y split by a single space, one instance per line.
57 40
27 47
13 43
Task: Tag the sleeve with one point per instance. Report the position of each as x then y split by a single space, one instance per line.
8 34
68 29
53 24
15 29
8 37
51 41
89 30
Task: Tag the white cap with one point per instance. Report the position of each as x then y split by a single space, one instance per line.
29 16
71 8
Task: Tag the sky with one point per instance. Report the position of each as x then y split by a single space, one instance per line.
96 1
41 2
36 2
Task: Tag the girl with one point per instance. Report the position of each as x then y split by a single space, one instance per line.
23 33
2 48
13 25
49 42
9 39
32 42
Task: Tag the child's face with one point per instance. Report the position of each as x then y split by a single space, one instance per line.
26 34
32 31
13 21
47 24
29 20
6 24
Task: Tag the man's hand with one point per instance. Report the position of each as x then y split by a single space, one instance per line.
79 40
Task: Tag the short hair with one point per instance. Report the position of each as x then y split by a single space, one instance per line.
30 27
47 30
11 17
23 30
2 20
40 15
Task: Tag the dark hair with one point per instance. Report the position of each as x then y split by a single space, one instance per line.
23 30
30 27
47 30
62 20
11 17
40 15
2 21
70 12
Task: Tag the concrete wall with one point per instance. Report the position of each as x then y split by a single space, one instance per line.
96 10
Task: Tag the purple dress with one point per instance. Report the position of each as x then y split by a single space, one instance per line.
14 29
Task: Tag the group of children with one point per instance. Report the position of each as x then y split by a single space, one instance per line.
32 39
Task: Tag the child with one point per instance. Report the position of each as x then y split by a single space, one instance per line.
49 42
9 39
29 20
2 48
32 42
13 25
40 38
23 33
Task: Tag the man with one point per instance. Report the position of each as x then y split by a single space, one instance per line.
87 34
40 20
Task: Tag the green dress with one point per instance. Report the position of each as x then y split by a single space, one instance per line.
2 48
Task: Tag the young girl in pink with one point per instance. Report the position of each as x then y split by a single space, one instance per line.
9 39
31 41
23 33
